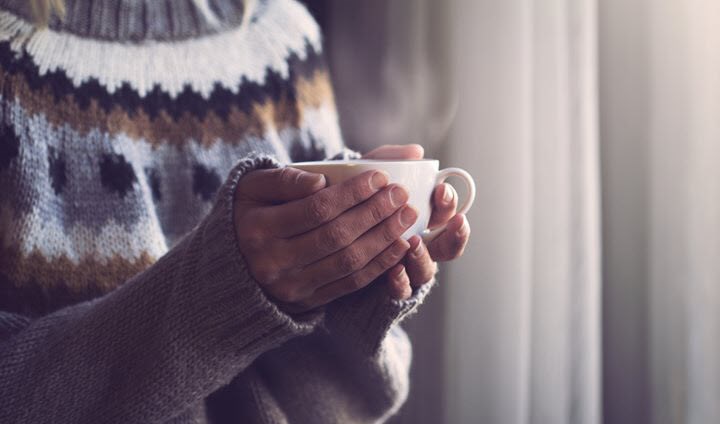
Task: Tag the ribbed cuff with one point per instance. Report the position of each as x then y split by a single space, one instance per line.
346 154
137 20
239 312
362 320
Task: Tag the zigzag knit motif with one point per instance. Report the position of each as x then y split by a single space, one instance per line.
124 296
111 150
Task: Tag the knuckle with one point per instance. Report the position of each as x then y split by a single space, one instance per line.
349 260
391 258
400 248
337 235
360 188
252 239
428 272
447 251
457 245
450 248
436 250
284 255
265 273
356 281
360 192
319 209
386 262
391 231
377 212
288 294
314 280
397 277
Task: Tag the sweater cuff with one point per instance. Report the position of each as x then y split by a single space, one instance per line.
253 321
363 319
346 154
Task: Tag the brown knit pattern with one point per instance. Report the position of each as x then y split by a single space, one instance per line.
285 112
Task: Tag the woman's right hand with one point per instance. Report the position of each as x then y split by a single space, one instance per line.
307 244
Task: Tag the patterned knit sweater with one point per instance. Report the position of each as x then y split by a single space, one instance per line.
124 129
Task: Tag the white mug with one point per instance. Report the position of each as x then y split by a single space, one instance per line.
419 177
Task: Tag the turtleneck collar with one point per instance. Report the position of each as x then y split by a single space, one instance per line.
139 20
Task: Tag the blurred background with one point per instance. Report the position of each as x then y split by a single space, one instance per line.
590 291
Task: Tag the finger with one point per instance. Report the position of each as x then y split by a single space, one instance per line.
444 205
359 279
418 264
348 227
399 283
279 185
303 215
450 244
360 253
396 151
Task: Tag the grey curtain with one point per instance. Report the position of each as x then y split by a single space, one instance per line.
506 90
592 131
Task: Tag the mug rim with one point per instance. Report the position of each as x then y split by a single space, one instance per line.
359 161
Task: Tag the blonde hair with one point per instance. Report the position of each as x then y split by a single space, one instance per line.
43 9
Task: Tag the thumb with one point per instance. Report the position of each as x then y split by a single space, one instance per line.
279 185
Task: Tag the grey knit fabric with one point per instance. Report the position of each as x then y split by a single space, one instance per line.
123 294
134 20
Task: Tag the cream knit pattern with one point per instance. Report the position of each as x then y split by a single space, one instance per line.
124 130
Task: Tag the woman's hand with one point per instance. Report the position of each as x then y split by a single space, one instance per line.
420 262
307 244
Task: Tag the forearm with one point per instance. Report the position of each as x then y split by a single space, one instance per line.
355 369
160 343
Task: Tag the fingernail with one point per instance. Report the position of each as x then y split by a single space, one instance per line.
418 249
379 179
408 216
405 280
414 242
314 180
402 245
447 194
398 196
461 230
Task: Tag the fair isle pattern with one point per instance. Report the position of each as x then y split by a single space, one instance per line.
124 131
173 65
313 93
110 152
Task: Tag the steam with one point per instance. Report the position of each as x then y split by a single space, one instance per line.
393 74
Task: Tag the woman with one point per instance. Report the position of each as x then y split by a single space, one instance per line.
136 286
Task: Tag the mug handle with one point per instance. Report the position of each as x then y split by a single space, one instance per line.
429 235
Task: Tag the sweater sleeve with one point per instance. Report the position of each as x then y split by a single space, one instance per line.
353 369
153 347
363 330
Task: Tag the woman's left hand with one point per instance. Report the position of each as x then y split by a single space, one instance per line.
420 265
